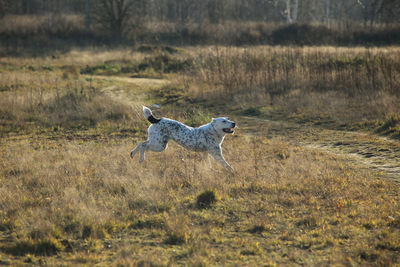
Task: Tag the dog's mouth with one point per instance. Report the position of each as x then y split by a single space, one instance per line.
228 130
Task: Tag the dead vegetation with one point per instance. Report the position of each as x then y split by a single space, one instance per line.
70 194
352 87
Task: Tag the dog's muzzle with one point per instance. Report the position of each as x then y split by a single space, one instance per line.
229 130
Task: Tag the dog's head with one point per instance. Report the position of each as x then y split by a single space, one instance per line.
223 124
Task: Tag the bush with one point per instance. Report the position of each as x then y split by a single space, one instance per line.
304 34
390 126
198 118
206 199
43 247
149 223
385 36
176 238
252 111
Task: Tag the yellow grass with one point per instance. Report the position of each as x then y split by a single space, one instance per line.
313 207
70 194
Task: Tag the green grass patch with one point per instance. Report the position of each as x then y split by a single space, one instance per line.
162 63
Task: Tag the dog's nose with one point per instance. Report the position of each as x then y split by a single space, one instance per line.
233 125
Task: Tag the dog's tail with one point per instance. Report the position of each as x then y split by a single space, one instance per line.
149 115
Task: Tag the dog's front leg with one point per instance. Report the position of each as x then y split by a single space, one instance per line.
217 155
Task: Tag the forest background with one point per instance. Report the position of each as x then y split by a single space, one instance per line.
59 24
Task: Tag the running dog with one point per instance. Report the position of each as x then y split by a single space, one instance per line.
208 137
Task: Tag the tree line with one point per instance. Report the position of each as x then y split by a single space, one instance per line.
219 11
126 19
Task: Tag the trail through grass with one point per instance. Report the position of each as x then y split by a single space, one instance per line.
135 93
304 192
367 150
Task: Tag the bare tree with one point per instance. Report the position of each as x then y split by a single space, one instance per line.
215 10
114 15
87 14
327 12
371 9
294 10
291 11
276 10
391 11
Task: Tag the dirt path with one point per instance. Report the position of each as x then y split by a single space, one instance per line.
369 151
151 82
135 95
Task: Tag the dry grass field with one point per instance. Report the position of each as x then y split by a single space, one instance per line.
315 184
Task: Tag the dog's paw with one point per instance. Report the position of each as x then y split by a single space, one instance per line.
229 168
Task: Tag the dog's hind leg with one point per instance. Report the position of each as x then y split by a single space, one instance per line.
141 147
148 145
135 150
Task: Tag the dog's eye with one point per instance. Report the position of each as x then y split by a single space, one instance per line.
224 121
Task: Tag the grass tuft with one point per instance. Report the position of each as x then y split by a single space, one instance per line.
149 223
251 111
206 199
43 247
176 238
390 126
259 228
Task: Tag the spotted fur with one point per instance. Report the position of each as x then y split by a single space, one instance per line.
207 138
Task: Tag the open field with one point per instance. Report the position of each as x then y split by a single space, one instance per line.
316 158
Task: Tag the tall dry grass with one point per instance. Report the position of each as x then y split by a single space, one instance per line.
45 99
343 85
28 25
80 196
346 84
71 195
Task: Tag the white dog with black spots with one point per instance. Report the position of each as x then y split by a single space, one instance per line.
208 137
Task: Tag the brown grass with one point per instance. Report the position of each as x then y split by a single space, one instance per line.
30 99
72 196
25 25
307 202
346 85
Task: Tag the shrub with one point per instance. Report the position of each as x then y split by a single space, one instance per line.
164 63
94 231
157 49
259 228
44 247
389 124
149 223
252 111
198 118
303 35
206 199
176 238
